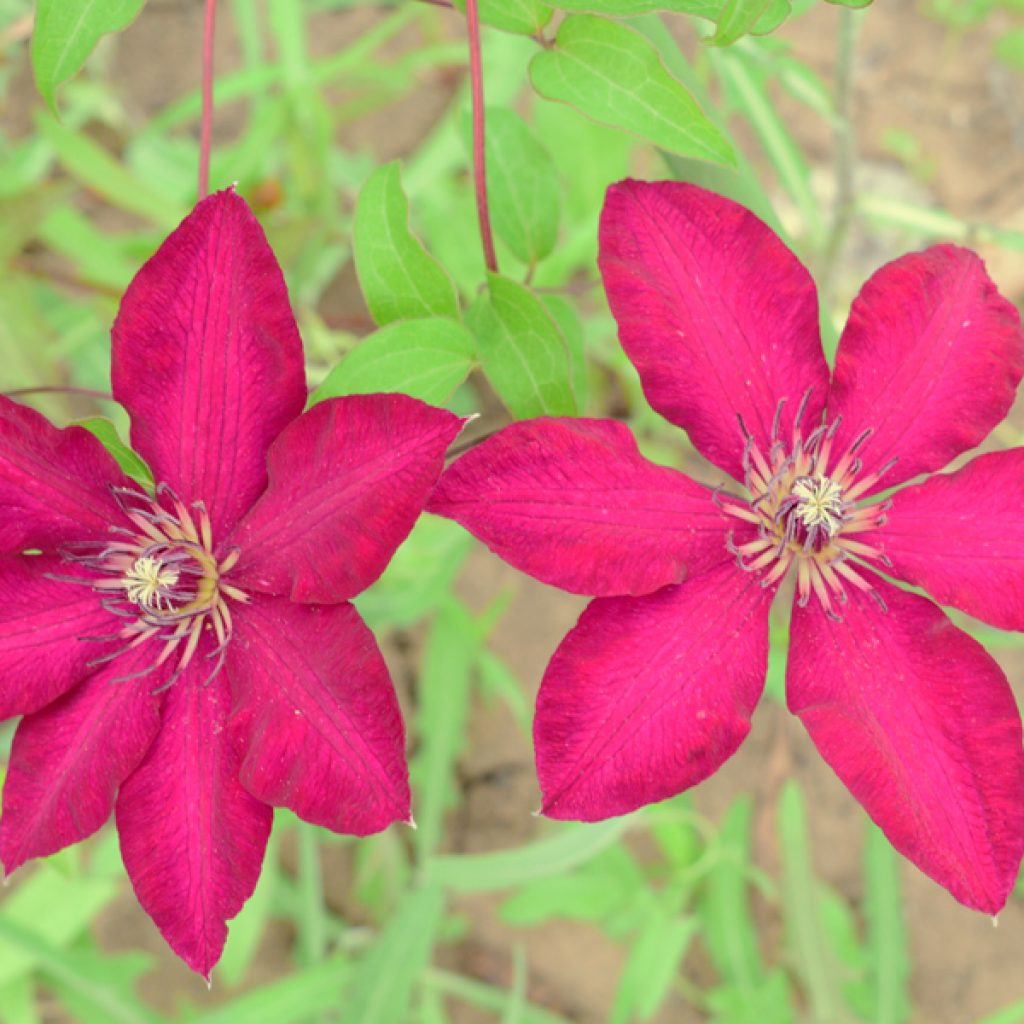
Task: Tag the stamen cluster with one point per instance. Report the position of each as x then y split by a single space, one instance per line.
161 576
805 508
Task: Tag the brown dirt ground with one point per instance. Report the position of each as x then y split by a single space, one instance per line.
968 117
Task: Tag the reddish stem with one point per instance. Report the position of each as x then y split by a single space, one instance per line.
206 131
476 74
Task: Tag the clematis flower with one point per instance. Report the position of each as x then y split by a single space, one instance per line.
654 688
188 657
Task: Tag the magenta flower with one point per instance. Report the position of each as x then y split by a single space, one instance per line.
190 658
655 686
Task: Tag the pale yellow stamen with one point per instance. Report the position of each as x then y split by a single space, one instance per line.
821 504
147 582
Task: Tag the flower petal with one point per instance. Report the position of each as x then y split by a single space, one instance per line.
316 716
42 623
648 696
961 537
192 838
920 724
573 503
348 480
930 360
718 316
69 759
207 358
54 484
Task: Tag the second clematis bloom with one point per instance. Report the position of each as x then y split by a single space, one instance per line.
188 657
655 686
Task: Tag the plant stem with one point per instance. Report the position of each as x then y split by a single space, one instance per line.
84 392
845 140
476 75
206 130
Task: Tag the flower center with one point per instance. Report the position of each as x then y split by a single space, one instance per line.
149 582
160 575
805 507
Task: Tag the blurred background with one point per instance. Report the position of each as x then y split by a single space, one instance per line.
764 895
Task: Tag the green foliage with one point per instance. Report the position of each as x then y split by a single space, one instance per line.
107 434
523 186
84 201
757 16
381 987
523 351
612 74
427 359
65 33
399 278
527 17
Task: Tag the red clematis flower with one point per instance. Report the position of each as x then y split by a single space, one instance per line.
655 686
189 657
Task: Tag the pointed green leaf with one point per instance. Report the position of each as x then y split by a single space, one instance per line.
107 434
773 12
65 33
524 17
614 75
523 352
889 962
427 359
451 650
399 278
555 854
652 966
522 181
738 17
89 163
382 983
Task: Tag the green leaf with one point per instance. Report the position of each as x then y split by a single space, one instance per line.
523 186
297 997
418 576
90 164
652 966
772 14
614 75
1013 1014
567 317
427 359
107 434
56 909
18 1002
506 869
729 929
814 962
1009 48
524 17
738 17
448 660
98 986
523 352
65 33
382 982
486 997
399 278
889 962
851 3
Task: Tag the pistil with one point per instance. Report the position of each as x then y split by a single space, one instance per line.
805 509
161 576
